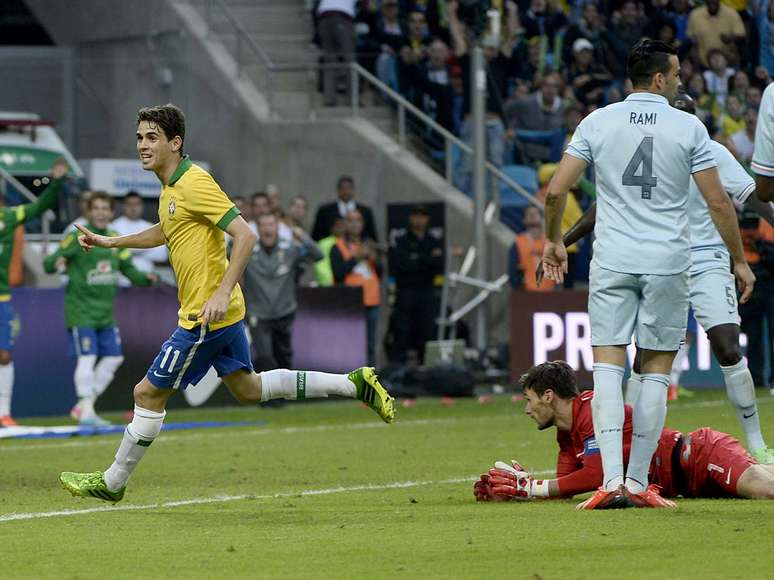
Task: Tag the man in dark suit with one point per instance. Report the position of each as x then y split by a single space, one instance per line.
327 214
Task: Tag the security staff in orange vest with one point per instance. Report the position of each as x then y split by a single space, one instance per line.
757 315
526 253
355 261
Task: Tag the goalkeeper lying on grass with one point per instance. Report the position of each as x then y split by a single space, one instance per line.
704 463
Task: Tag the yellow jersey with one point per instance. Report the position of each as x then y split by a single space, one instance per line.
193 213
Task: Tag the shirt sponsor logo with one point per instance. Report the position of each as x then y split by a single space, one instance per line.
102 274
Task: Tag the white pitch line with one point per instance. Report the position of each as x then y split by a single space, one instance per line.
14 517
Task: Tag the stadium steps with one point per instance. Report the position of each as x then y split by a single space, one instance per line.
283 31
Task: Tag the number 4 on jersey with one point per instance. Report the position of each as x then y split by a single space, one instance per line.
643 156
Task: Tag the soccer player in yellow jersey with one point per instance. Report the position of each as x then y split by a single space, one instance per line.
193 214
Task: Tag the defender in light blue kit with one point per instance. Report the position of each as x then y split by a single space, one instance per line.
644 153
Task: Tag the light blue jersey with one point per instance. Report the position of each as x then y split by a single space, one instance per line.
763 154
707 247
644 152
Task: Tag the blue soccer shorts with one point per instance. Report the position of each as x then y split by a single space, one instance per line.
9 326
99 341
188 354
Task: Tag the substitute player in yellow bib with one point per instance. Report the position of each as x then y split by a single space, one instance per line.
193 215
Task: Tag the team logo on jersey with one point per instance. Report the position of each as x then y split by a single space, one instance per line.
102 274
172 207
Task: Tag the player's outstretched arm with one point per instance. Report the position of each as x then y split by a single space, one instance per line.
724 216
47 199
554 252
242 247
149 238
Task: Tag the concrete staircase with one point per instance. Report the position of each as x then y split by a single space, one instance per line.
286 69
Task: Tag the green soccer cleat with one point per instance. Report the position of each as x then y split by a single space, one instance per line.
372 393
90 485
764 455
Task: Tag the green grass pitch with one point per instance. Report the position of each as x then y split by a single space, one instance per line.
328 491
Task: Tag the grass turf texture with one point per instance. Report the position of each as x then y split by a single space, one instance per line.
421 530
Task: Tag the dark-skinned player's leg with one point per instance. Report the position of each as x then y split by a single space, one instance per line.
724 339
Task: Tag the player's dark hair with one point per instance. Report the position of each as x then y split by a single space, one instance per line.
131 194
647 58
685 102
555 375
344 179
259 194
101 195
168 117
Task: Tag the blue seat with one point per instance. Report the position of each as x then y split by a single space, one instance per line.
553 139
526 177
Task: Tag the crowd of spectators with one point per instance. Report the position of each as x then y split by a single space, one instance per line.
556 61
338 246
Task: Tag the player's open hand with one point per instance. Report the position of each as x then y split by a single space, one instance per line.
214 310
90 240
555 261
745 280
60 168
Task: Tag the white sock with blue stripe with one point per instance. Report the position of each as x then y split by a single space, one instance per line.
138 435
607 409
285 384
648 418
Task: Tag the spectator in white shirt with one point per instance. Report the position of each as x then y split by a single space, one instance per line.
131 222
742 141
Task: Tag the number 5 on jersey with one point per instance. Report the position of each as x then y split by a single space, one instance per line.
646 181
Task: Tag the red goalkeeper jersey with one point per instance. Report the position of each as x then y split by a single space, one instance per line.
579 465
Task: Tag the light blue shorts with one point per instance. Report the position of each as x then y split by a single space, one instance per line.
651 307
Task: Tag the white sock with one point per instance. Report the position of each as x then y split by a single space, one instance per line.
6 388
607 409
633 388
105 371
647 422
285 384
138 436
84 375
741 393
84 384
677 364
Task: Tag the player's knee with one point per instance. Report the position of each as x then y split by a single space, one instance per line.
757 482
149 397
727 352
5 357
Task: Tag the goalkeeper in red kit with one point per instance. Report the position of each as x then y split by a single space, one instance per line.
700 464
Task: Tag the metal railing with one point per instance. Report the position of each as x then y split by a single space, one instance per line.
45 220
359 76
